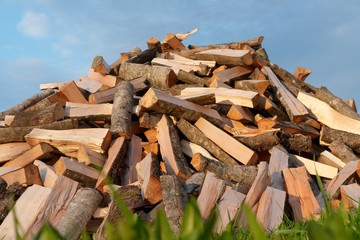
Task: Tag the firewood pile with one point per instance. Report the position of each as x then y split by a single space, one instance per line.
221 123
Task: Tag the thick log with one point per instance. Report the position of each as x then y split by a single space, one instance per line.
329 135
81 173
197 137
342 151
190 78
69 141
79 212
159 77
243 175
170 149
92 112
55 205
294 108
252 85
25 176
100 65
30 155
160 102
122 110
26 103
174 195
17 134
218 84
149 120
328 116
302 200
10 151
145 56
229 144
226 56
211 190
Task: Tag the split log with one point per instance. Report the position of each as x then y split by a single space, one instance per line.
243 175
328 158
279 161
218 84
47 174
170 149
90 157
26 103
67 141
151 135
100 65
30 155
79 212
149 120
26 209
350 195
269 108
328 116
190 78
8 119
104 96
227 96
72 93
89 85
133 156
294 108
211 190
49 114
351 103
92 112
113 163
55 205
174 195
302 73
232 74
106 80
257 75
17 134
122 110
10 151
226 56
151 187
270 211
173 41
200 99
160 77
240 113
229 204
25 176
342 178
144 56
329 135
189 149
152 147
81 173
316 168
230 145
160 102
302 200
125 56
252 85
342 151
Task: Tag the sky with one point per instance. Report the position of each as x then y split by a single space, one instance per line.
43 41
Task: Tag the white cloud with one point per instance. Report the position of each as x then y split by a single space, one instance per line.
34 24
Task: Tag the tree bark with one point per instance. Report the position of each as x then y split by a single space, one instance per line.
342 151
145 56
328 135
122 110
190 78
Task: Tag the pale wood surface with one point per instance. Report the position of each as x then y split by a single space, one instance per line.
47 174
189 149
314 167
88 111
25 176
350 194
226 56
279 160
72 93
10 151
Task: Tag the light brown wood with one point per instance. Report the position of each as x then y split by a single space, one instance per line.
10 151
240 113
55 205
229 204
72 93
170 149
279 160
230 145
328 158
269 108
89 85
301 198
151 187
329 135
211 190
232 74
259 86
173 41
227 96
90 157
328 116
30 155
270 211
47 174
350 195
151 135
341 178
97 139
100 65
8 119
294 108
101 212
88 111
200 99
226 56
133 156
76 171
107 80
189 149
302 73
116 152
26 209
314 167
161 102
25 176
218 84
151 147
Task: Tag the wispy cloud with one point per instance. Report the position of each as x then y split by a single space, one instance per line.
34 24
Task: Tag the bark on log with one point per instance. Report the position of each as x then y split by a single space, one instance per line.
145 56
100 65
159 77
17 134
122 110
197 137
26 103
244 175
328 135
190 78
342 151
79 212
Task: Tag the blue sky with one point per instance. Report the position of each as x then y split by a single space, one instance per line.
45 41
